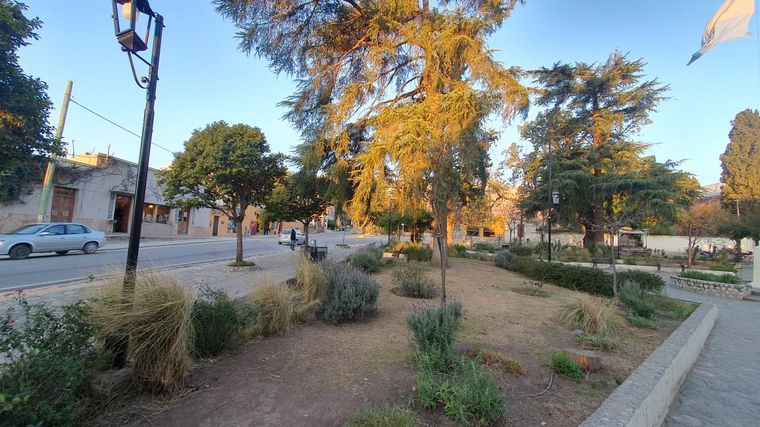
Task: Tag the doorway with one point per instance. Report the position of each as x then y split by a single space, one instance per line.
122 207
215 229
184 217
62 209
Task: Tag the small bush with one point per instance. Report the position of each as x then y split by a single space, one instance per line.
434 332
349 294
710 277
648 282
309 278
46 362
215 322
366 260
417 252
412 280
496 360
638 302
506 260
457 250
640 322
484 247
385 416
471 396
520 250
274 304
593 315
565 366
159 323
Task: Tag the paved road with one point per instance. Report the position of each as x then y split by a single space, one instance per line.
51 268
723 387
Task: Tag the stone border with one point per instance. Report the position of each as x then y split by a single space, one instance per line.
645 397
718 289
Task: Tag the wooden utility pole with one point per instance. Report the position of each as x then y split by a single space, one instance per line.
42 213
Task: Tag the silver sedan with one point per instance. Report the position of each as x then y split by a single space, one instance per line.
60 238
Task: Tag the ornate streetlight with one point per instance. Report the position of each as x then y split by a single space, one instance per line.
125 28
555 204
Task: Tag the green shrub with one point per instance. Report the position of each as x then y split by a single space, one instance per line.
45 364
484 247
710 277
416 252
638 302
565 366
412 280
585 279
520 250
425 380
434 332
385 416
349 293
640 322
630 260
648 282
366 260
471 396
215 322
506 260
457 250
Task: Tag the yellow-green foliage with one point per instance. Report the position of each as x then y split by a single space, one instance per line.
594 315
158 322
310 279
273 303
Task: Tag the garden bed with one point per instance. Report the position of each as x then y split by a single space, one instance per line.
321 374
718 289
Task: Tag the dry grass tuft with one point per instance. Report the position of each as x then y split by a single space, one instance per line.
274 305
495 360
310 280
594 315
158 323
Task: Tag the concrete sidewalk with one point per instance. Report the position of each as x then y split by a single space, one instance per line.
723 386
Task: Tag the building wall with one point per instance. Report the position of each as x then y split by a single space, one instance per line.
97 179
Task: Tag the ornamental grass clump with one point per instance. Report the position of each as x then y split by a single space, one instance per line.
158 323
592 314
310 279
349 294
273 303
411 279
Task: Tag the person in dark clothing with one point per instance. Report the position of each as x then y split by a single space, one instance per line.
293 239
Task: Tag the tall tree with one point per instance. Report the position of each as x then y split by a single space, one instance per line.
226 167
741 164
26 141
592 113
421 79
698 223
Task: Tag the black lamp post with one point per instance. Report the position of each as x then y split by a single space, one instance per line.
132 44
555 204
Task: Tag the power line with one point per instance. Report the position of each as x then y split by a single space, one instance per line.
118 125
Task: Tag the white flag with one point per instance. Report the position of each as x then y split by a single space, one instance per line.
730 22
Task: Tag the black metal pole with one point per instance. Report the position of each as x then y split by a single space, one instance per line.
551 202
142 167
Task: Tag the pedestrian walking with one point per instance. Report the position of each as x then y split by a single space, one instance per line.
293 240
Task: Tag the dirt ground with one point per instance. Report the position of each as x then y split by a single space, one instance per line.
320 375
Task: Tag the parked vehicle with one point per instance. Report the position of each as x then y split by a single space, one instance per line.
59 237
284 237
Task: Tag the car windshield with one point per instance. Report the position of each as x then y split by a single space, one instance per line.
29 229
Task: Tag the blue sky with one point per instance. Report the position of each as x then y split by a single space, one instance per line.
203 76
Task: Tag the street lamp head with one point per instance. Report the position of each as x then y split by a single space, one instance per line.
127 19
555 198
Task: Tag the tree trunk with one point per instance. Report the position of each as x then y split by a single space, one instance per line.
239 235
305 233
613 265
439 245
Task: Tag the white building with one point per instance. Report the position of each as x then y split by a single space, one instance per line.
98 190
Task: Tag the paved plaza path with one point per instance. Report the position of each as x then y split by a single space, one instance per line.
723 387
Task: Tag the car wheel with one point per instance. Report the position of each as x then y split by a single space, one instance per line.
20 251
90 247
61 252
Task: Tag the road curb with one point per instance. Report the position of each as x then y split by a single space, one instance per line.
646 395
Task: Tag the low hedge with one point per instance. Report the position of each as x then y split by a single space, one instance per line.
648 282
